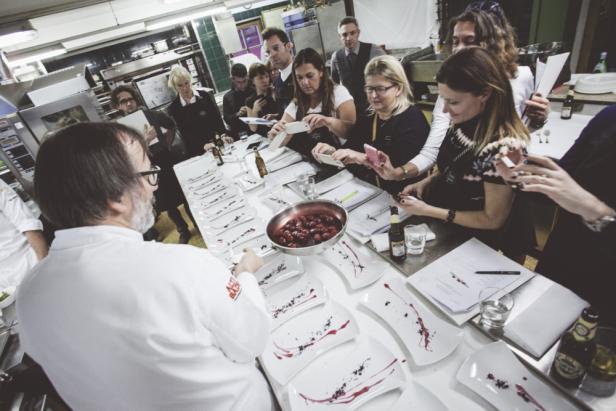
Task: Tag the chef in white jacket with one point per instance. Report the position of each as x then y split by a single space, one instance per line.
122 324
22 243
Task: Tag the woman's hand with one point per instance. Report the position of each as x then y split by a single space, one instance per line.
270 116
208 146
149 133
316 120
414 206
348 156
322 148
418 189
258 106
547 177
277 129
227 139
537 109
385 169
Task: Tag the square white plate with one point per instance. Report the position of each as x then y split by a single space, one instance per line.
280 268
204 182
358 265
427 337
203 193
247 181
299 341
348 381
495 374
300 296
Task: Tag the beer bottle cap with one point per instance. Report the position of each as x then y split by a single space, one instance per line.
590 314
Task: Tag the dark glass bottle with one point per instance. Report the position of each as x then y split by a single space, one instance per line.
260 164
217 155
576 350
567 109
397 247
219 143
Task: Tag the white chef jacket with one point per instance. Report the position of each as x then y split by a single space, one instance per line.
16 254
122 324
522 86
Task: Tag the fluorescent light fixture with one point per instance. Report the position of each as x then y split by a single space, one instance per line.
37 56
16 33
103 36
184 18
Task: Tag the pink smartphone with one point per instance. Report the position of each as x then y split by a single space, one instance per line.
372 155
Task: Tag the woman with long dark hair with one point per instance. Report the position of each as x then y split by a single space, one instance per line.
326 107
467 190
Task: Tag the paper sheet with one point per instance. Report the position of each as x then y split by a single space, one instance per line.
137 121
551 72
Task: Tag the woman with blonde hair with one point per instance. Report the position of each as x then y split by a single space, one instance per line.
195 113
393 124
466 190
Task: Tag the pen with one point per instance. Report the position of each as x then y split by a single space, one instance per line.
498 272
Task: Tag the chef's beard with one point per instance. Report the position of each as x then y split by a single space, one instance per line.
143 213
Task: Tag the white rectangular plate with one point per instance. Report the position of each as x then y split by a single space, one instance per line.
348 381
299 341
299 296
427 337
358 265
280 268
495 374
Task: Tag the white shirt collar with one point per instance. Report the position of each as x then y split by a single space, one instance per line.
192 100
77 237
286 72
355 50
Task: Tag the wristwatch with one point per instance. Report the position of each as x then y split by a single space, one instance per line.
600 223
404 171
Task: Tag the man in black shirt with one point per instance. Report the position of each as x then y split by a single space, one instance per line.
279 49
233 103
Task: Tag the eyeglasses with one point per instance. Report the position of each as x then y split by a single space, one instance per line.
126 100
151 175
380 90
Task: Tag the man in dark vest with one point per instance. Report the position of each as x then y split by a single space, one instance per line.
279 50
349 62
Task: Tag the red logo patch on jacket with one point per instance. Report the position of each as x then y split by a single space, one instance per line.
233 288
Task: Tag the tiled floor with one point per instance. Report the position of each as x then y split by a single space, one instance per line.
168 234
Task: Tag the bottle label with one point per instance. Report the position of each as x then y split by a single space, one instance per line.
566 112
397 248
568 367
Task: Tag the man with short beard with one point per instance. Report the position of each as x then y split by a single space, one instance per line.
122 324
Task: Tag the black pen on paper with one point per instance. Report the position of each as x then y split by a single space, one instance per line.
498 272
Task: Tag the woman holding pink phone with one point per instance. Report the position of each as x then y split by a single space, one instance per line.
392 125
467 190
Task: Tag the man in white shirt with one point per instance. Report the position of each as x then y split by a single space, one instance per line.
22 243
122 324
279 51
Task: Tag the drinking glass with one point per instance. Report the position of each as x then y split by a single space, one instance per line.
302 181
600 380
310 189
494 310
415 238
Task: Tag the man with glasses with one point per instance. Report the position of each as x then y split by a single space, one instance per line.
234 101
122 324
279 51
169 196
349 62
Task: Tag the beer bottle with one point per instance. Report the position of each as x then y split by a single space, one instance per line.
219 143
601 66
567 109
397 247
260 164
576 350
217 155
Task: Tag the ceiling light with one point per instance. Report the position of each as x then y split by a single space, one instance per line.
184 18
16 33
37 56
